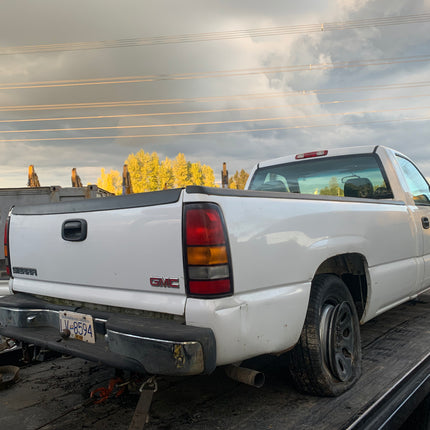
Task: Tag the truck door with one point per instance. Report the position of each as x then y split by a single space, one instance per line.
420 190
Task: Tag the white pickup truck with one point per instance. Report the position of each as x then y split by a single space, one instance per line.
180 281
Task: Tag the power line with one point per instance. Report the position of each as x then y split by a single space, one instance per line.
188 124
424 118
91 105
197 112
215 74
217 36
154 102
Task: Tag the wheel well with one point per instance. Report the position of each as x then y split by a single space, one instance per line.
351 268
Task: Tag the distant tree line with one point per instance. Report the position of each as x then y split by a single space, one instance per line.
149 173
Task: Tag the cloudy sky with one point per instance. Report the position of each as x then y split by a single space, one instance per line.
85 83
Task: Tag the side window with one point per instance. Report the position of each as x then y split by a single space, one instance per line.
417 184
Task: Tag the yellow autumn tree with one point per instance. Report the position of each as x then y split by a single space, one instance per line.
208 176
153 182
111 181
135 167
180 171
238 180
140 166
165 174
147 173
196 174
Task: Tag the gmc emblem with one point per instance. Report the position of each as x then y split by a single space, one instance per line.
164 282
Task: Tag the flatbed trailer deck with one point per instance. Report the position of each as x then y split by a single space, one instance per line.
396 378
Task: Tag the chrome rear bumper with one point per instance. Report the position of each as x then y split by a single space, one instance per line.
149 345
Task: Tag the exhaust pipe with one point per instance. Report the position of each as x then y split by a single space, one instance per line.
246 376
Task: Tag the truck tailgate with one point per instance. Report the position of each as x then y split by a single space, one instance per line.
130 256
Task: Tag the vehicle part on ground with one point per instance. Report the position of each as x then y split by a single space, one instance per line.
8 376
115 388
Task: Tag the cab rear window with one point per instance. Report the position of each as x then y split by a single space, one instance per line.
359 176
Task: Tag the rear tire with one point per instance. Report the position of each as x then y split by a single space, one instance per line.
327 359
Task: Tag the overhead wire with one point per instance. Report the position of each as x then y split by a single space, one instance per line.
424 118
187 124
196 112
210 99
219 35
215 74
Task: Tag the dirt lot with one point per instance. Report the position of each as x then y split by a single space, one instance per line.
55 394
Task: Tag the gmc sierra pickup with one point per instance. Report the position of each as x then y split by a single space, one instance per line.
180 281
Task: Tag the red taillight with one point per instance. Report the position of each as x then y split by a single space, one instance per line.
204 227
6 246
206 253
210 287
311 154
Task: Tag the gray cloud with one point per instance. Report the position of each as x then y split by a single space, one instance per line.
61 21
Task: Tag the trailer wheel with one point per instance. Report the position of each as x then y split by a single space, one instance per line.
327 359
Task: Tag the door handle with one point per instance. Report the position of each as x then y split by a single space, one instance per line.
425 222
74 230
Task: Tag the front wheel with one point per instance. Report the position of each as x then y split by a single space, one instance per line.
327 359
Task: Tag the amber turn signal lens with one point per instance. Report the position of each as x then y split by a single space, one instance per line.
206 255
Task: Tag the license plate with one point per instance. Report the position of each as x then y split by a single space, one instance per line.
79 325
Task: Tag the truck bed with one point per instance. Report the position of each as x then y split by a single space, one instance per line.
396 364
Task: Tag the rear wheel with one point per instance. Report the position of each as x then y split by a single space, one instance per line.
327 359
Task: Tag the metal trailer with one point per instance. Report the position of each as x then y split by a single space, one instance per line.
393 392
